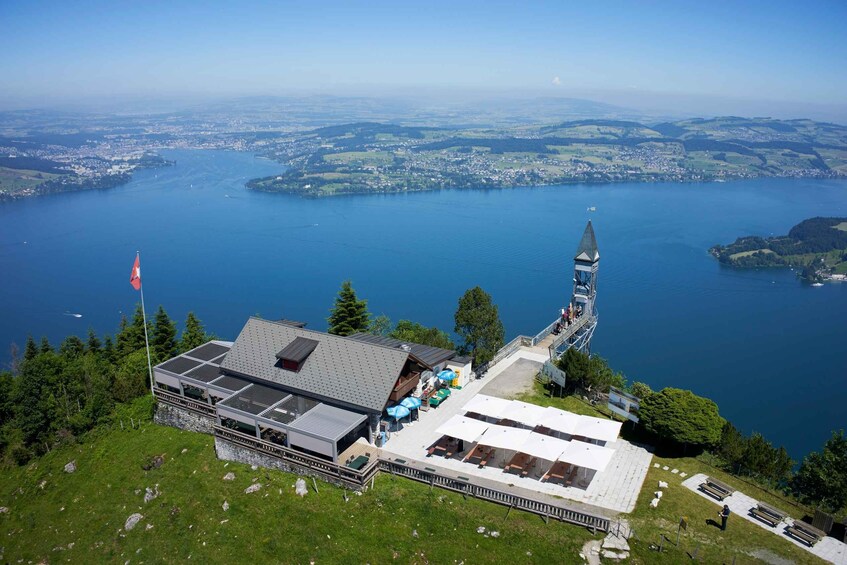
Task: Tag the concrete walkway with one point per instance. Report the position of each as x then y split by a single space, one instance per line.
615 489
829 548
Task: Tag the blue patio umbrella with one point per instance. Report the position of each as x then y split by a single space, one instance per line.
398 411
446 375
411 402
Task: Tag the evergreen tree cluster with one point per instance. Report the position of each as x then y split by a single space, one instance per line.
53 395
753 456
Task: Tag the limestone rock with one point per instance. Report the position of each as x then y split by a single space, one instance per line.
151 494
70 467
300 487
4 510
253 488
229 476
225 506
132 521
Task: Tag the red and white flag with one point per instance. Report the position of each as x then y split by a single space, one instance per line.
135 275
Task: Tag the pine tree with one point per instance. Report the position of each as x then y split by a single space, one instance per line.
194 334
45 345
478 324
163 340
130 336
72 347
108 349
349 315
93 341
30 350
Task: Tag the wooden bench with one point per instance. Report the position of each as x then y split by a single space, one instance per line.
476 454
767 513
517 463
488 455
805 532
440 447
529 466
716 488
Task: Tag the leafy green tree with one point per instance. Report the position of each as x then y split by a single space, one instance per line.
381 325
194 334
163 338
640 390
349 315
822 477
414 332
35 406
591 373
131 379
682 417
31 349
478 325
94 344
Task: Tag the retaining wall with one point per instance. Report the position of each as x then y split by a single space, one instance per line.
170 415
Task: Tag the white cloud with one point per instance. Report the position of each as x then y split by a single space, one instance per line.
556 81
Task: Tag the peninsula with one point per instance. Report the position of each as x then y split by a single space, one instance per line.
819 245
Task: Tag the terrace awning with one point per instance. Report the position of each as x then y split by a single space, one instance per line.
525 413
559 420
597 428
544 446
466 429
504 437
587 455
490 406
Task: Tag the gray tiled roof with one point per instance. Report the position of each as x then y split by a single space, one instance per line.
587 250
427 354
340 369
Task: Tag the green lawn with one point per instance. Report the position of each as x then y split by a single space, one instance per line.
54 516
88 509
748 253
741 541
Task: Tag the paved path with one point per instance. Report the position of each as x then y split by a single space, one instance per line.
829 548
615 489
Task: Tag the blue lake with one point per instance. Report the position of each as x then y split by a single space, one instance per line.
767 348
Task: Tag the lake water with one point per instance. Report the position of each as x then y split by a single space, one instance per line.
767 348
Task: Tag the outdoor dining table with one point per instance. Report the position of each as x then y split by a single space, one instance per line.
358 462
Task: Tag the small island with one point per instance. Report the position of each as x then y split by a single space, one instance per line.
818 245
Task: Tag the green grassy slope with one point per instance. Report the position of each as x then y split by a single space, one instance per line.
79 517
57 517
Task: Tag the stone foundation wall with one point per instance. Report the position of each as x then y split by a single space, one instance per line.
231 452
169 415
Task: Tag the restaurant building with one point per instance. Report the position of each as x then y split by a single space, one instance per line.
305 390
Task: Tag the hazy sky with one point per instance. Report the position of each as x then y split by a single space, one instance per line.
780 51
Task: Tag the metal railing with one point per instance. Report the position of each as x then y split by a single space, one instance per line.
321 466
539 337
562 513
504 352
187 403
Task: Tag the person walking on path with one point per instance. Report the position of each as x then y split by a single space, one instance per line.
724 514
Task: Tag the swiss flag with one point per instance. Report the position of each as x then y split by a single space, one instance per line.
135 275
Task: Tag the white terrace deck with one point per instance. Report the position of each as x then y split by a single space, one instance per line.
614 489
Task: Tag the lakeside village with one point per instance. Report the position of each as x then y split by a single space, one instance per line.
344 408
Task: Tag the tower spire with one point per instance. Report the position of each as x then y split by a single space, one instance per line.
587 250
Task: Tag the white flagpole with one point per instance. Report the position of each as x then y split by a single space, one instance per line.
146 341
